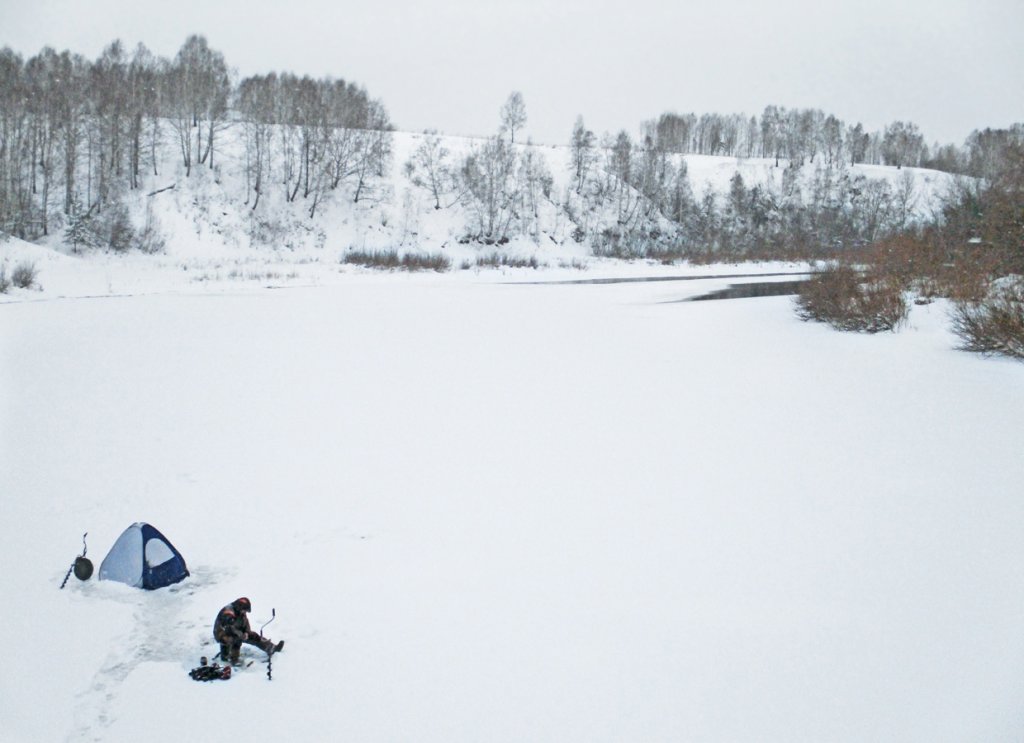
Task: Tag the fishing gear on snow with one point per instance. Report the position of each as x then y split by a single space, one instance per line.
81 567
206 672
270 655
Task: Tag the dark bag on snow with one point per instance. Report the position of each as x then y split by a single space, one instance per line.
210 673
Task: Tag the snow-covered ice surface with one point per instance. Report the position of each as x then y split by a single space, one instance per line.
491 511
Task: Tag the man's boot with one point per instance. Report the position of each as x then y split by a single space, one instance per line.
270 648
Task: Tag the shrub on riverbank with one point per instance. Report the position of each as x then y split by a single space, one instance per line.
847 300
995 324
391 259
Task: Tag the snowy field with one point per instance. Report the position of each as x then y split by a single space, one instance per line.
495 512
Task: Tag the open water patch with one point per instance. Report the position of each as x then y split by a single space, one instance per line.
645 279
751 289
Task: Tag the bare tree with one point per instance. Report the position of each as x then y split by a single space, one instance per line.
428 169
108 83
831 138
673 132
581 148
488 177
142 102
535 183
902 144
513 114
255 101
773 140
753 136
373 147
348 107
857 141
200 86
42 76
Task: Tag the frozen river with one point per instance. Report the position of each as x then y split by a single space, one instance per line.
507 513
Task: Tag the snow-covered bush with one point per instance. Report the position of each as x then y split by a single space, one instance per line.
995 324
503 260
113 228
116 228
266 230
846 300
24 275
80 232
392 259
150 239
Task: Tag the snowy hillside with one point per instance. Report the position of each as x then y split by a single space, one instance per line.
204 223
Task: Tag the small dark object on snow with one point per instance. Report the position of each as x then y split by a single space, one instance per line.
83 568
74 566
210 673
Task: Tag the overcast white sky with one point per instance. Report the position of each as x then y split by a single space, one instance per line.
950 66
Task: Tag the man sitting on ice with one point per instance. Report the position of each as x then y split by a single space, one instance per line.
231 629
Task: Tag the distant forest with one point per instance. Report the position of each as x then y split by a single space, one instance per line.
76 135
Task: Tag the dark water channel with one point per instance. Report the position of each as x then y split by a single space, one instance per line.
733 291
752 289
644 279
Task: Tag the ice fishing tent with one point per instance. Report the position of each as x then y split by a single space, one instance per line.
142 557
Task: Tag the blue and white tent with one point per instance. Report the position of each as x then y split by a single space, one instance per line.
143 557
